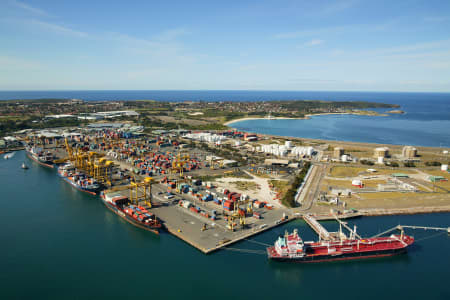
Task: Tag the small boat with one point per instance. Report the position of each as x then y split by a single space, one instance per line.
9 155
24 166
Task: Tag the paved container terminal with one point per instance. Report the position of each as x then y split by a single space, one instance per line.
189 226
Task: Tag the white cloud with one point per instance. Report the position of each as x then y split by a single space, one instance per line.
29 8
313 42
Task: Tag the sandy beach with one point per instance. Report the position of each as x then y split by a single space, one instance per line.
308 116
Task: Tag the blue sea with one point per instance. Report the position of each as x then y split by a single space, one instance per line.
425 123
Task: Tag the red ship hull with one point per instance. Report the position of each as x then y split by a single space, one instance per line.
288 249
341 257
152 228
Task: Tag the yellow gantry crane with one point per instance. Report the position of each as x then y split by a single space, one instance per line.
145 194
239 214
179 162
92 163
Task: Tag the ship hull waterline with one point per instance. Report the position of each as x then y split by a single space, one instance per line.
51 166
342 257
76 187
128 219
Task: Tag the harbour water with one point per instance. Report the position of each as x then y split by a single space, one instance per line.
59 243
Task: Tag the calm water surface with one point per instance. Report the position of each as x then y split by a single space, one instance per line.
58 243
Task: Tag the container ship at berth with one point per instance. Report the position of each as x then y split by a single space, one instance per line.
291 247
79 180
134 214
44 158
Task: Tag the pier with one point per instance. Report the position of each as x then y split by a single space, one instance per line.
317 227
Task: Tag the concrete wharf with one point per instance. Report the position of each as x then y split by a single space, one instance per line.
317 227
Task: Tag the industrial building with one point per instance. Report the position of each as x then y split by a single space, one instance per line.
338 152
409 152
381 152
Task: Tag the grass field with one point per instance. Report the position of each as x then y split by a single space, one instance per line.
444 184
280 186
344 171
245 185
397 200
338 183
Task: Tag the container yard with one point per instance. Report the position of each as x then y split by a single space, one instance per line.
162 179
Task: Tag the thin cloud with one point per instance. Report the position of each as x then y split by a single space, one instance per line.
9 62
29 8
313 42
338 6
436 19
172 34
407 49
312 32
59 29
336 30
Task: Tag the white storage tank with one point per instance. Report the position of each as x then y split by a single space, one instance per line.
444 167
357 182
381 160
288 144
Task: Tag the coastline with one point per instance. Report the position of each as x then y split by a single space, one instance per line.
306 117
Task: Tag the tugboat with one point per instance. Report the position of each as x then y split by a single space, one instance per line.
44 158
78 180
134 214
291 247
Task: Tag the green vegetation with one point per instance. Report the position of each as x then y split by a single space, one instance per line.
36 101
289 197
409 164
245 185
366 162
228 153
432 163
311 105
9 125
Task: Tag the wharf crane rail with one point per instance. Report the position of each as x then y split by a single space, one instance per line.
401 227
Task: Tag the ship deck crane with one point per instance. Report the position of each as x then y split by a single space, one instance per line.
401 227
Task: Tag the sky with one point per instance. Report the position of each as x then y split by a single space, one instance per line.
347 45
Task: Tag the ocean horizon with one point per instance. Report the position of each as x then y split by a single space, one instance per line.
214 95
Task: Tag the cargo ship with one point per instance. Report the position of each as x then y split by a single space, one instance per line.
134 214
39 155
79 180
292 248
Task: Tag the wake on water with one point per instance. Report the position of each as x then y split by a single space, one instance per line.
9 155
